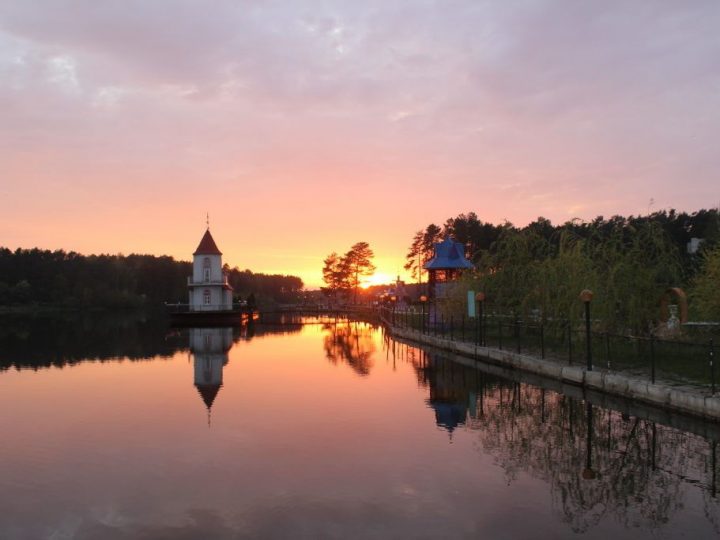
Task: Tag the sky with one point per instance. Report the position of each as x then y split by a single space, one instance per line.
303 127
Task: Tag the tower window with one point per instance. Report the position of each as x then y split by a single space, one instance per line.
206 297
206 269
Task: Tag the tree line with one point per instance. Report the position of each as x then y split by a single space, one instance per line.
343 274
629 262
69 279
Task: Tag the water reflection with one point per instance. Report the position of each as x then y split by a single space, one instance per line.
396 442
452 395
598 463
209 348
351 342
58 340
68 338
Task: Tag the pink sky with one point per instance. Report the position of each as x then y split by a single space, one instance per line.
303 127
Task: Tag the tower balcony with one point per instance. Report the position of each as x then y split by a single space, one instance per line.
204 282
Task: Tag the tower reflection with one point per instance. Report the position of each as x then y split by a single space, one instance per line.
209 348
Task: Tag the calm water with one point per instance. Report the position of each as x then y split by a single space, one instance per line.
118 430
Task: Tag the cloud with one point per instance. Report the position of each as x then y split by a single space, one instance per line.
585 101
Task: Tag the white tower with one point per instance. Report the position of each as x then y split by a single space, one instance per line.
209 289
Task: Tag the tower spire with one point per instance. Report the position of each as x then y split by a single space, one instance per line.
207 220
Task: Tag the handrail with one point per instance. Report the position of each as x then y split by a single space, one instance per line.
191 281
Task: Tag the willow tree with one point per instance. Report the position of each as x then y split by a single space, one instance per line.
530 275
705 289
635 265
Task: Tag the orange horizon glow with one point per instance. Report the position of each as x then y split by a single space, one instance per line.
378 278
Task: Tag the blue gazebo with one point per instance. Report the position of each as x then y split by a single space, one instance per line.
447 264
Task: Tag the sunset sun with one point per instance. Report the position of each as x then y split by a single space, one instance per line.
378 278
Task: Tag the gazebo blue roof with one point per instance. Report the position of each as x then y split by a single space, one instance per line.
449 255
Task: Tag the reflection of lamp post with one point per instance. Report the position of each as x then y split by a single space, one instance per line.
586 296
423 299
588 473
480 297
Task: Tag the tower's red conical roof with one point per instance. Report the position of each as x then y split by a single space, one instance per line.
207 245
208 392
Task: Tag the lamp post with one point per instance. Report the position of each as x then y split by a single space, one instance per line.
423 299
393 299
480 298
586 296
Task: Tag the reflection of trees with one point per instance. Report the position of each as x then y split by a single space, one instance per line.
351 342
66 339
69 338
639 472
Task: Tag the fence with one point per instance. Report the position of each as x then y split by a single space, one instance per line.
678 363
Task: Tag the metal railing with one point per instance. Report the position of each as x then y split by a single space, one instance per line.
223 281
674 362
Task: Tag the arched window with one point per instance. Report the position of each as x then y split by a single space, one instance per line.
206 297
206 269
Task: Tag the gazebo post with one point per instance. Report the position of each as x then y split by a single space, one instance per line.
431 284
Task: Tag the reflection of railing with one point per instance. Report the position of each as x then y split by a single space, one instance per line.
187 308
352 310
676 362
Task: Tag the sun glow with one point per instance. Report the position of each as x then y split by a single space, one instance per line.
378 278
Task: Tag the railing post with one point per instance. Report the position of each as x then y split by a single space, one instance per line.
442 325
652 359
500 335
462 332
542 340
452 329
481 319
607 349
517 333
483 328
588 337
477 330
569 329
712 366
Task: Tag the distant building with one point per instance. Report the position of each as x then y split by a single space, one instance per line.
396 294
694 245
208 287
447 264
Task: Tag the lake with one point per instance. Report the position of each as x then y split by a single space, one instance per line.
117 429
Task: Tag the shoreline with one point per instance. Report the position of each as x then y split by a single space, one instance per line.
613 384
